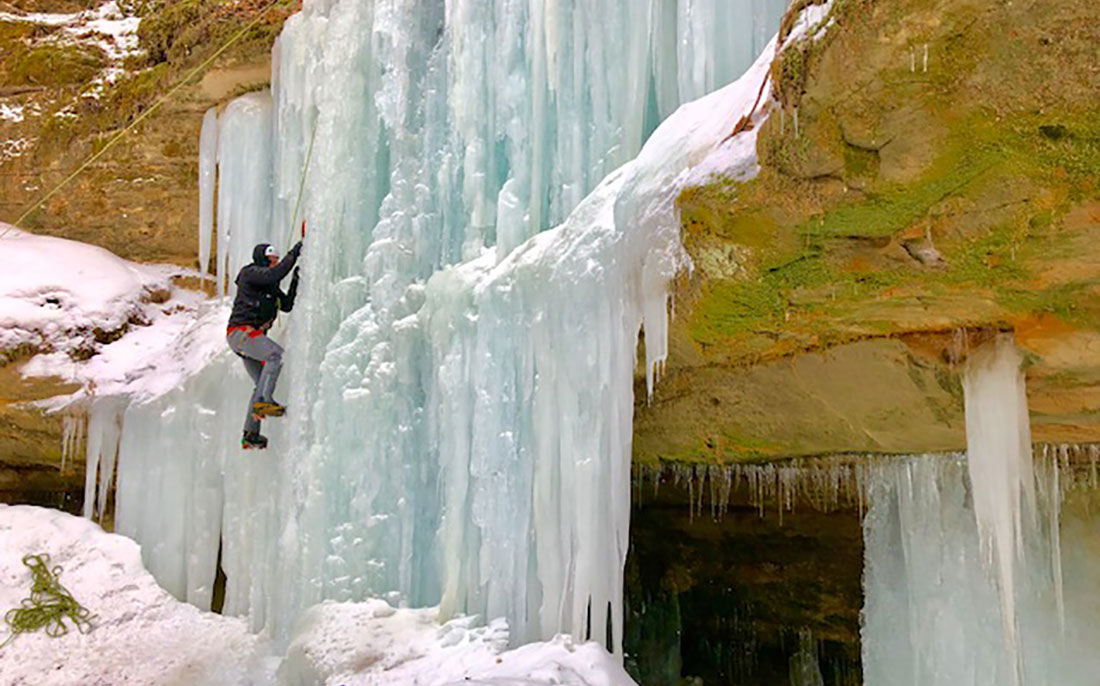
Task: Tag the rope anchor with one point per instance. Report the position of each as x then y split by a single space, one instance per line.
48 605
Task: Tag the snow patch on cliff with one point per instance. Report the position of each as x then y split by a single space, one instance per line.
105 323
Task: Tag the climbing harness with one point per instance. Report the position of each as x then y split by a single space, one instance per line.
143 116
48 605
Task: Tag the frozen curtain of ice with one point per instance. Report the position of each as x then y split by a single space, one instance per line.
460 384
974 571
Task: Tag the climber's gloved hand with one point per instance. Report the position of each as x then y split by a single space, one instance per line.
296 250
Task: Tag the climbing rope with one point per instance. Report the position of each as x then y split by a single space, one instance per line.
143 116
301 188
48 605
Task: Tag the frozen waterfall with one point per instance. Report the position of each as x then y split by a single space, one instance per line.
967 559
460 384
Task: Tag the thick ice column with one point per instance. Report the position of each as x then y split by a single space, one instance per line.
244 183
531 391
208 159
174 500
998 438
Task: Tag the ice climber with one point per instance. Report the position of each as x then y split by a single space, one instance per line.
258 301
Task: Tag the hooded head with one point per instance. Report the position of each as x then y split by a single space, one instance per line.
262 254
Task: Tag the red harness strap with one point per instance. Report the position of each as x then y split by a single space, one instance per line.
253 332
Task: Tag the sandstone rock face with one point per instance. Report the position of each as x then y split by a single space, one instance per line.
138 200
942 183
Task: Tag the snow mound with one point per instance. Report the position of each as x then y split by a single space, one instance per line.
112 326
57 294
142 635
373 644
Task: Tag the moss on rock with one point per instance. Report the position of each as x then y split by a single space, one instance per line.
942 176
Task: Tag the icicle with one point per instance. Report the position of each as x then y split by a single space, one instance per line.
72 434
245 202
998 438
1054 517
104 432
804 665
208 157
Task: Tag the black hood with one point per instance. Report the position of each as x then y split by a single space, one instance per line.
258 256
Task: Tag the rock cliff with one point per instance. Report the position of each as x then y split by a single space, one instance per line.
929 175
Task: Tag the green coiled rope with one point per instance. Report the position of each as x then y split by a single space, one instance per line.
48 605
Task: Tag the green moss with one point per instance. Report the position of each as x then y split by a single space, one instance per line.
1063 301
15 30
719 449
185 31
55 65
127 98
980 152
860 163
161 30
991 259
885 213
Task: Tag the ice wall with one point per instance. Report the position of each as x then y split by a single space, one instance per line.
966 562
932 606
460 391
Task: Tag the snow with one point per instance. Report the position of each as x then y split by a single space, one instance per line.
42 18
15 147
334 641
810 22
144 637
11 112
105 27
182 337
55 293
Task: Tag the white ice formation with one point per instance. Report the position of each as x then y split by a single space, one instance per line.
975 572
460 384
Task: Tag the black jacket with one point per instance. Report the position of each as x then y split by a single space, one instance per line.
258 296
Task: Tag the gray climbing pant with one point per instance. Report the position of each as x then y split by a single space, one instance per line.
263 360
